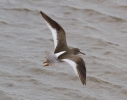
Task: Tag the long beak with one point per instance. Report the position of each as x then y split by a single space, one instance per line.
82 53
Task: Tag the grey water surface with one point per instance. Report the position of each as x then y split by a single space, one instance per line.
97 27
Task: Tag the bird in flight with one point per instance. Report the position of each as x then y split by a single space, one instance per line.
62 52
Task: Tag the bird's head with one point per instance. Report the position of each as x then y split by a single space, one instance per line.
77 51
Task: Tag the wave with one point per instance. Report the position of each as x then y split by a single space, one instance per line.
21 9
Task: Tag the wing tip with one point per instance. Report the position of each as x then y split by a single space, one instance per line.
42 13
84 83
83 80
82 75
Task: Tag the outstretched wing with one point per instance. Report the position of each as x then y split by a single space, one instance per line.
58 33
78 65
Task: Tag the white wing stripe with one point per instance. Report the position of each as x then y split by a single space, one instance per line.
59 53
54 34
73 64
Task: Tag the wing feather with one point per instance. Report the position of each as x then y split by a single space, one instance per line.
58 33
79 67
54 34
82 75
73 65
